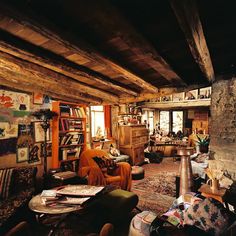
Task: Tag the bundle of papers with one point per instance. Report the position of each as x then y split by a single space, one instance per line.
69 195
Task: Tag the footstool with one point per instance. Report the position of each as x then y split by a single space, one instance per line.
137 172
118 203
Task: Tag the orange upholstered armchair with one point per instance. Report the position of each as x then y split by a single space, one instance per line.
120 176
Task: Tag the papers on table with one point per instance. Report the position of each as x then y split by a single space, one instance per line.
73 200
69 195
80 190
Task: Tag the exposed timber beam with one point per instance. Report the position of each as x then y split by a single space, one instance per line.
42 75
188 17
17 77
25 87
119 27
77 52
31 53
171 105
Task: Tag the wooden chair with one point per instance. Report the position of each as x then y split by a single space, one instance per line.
107 230
20 229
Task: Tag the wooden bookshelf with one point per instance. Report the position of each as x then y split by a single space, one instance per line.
68 133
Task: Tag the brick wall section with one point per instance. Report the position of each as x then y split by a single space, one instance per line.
223 124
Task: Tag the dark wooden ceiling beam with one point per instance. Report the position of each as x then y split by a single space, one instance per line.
25 87
31 53
18 78
189 21
77 52
44 75
119 27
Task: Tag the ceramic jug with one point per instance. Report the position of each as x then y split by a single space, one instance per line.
214 183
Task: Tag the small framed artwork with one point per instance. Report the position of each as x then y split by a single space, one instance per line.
191 95
38 98
48 148
22 154
177 97
166 98
39 132
205 93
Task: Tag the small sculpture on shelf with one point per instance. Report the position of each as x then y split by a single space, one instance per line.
99 136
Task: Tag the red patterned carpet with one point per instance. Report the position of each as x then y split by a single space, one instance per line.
158 188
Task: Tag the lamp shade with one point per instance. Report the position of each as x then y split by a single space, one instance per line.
44 114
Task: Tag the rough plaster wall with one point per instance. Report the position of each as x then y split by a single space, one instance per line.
223 124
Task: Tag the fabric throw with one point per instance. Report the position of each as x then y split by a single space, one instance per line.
5 182
208 215
104 162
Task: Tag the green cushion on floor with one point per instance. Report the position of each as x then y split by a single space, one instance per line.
119 201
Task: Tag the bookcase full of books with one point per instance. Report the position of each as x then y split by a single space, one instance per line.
68 134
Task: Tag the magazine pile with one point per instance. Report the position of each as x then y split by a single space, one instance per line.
69 195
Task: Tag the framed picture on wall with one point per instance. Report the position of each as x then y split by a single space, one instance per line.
39 132
48 147
191 95
22 154
38 98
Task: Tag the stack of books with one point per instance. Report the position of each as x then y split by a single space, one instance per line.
49 196
64 175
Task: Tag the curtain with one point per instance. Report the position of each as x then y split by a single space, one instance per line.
107 120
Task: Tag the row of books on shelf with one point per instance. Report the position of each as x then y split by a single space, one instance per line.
72 138
72 111
68 124
69 153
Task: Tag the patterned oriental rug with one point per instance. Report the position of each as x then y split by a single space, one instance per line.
156 192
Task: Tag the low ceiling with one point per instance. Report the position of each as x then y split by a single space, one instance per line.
115 51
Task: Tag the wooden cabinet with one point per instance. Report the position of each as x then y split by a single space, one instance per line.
68 134
131 141
200 122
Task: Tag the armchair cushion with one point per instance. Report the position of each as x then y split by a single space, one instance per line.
5 182
104 162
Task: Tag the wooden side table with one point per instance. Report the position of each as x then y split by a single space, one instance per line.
206 191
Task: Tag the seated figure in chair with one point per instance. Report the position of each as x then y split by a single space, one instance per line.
101 170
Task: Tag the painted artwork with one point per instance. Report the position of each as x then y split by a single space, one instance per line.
38 98
205 93
14 100
6 115
39 132
22 154
178 97
8 130
191 95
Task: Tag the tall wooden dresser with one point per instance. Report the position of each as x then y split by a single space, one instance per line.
131 142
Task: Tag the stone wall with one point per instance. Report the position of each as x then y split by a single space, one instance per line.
223 124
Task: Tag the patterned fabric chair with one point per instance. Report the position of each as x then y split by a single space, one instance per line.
120 176
17 185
